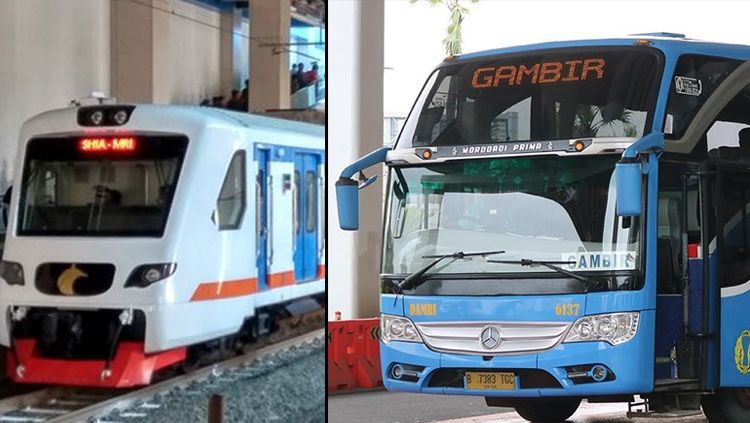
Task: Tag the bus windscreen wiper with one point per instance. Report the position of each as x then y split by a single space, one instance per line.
415 279
550 264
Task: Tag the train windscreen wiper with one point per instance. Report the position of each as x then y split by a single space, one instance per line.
416 278
550 264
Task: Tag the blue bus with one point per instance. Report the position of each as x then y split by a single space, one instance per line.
570 221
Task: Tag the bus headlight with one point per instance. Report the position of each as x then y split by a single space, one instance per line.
397 328
614 328
12 272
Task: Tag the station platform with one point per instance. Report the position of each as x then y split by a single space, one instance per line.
381 406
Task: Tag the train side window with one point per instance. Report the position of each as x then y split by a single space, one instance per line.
230 206
310 204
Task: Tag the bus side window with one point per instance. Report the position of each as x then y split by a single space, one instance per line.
230 206
705 71
734 207
729 136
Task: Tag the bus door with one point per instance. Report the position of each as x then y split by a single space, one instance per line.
681 273
262 205
733 271
306 216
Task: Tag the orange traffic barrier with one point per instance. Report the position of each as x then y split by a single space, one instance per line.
339 375
366 369
353 354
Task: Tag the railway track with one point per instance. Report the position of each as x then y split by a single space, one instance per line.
60 404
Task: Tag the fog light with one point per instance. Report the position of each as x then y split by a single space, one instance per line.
397 371
599 373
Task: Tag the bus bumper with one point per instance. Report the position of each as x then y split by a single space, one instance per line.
549 374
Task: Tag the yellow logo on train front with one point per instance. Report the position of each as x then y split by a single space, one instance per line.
742 352
423 309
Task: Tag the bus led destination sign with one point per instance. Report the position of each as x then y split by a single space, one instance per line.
539 73
509 148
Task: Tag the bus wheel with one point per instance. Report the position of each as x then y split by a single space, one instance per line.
731 405
551 411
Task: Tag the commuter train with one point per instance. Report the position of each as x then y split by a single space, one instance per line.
143 236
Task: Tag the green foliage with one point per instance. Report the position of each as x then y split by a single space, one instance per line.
591 119
452 41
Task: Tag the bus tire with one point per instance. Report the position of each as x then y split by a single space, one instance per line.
730 405
550 411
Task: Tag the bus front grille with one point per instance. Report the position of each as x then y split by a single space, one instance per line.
499 337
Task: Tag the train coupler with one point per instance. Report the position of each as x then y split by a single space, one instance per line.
125 319
17 314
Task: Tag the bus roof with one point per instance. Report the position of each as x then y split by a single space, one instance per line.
673 45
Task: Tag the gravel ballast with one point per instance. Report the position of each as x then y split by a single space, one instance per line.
288 386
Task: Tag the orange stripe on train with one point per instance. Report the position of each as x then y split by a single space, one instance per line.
226 289
277 280
241 287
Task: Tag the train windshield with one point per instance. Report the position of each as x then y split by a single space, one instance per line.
538 208
113 186
550 95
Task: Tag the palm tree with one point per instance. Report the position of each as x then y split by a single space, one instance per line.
452 41
591 119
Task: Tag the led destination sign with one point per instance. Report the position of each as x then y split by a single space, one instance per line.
93 145
539 73
509 148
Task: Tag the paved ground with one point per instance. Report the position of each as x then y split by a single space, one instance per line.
391 407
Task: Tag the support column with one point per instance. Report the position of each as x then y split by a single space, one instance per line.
355 99
140 60
230 25
270 22
131 51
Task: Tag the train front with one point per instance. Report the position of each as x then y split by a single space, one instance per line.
506 270
89 254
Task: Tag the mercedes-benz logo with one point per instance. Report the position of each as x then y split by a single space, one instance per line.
489 337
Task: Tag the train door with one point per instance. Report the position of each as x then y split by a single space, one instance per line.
262 216
306 216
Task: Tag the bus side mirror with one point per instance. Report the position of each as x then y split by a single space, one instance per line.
628 180
347 188
347 200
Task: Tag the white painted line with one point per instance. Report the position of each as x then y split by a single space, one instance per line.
585 410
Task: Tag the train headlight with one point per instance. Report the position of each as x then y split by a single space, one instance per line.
614 328
120 117
397 328
104 115
96 117
11 272
143 276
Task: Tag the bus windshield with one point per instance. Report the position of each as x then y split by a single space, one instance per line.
555 94
538 208
99 186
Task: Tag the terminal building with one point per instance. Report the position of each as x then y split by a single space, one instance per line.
183 52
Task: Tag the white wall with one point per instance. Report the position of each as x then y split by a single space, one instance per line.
190 69
50 53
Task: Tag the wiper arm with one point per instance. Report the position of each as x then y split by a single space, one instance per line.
550 264
415 279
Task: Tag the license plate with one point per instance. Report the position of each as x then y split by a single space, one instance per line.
488 381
